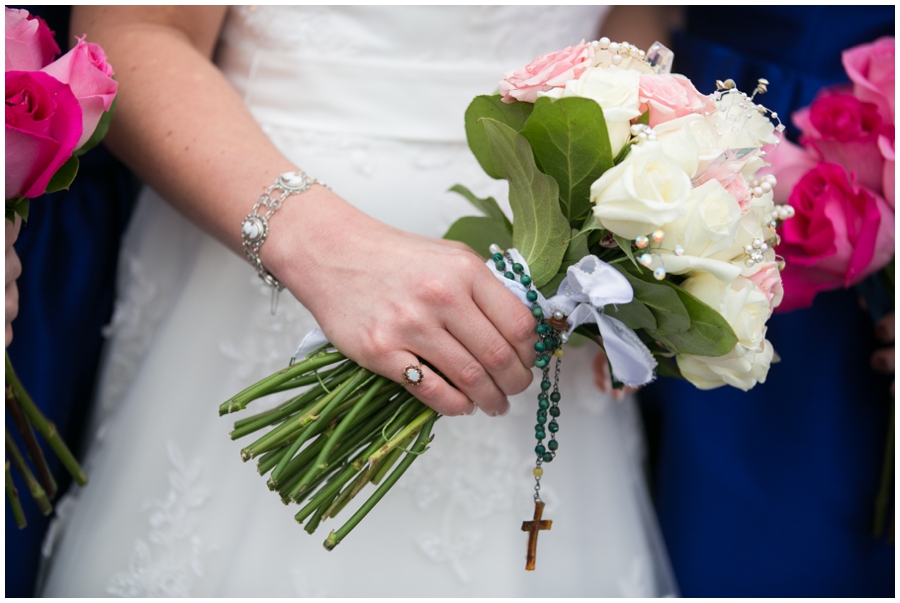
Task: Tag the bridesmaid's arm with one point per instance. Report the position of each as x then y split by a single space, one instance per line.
182 128
642 25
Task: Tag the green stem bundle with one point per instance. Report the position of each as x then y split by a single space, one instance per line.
27 418
347 429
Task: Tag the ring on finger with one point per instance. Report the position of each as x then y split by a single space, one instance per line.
413 374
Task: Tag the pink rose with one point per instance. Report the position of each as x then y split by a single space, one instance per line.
840 234
768 279
871 69
669 96
29 42
546 72
43 125
789 163
842 129
85 69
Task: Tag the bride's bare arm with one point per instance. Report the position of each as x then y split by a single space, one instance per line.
383 296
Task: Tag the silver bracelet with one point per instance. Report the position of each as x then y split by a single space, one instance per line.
255 227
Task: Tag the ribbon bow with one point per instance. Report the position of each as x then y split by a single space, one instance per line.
590 285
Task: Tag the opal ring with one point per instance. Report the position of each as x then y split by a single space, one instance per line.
413 374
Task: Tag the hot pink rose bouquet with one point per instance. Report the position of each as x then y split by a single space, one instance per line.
55 111
840 181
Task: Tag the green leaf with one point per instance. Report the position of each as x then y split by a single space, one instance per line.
709 335
513 115
540 231
64 176
19 206
577 249
644 119
488 206
570 143
99 131
667 367
478 233
635 314
686 325
668 310
625 245
623 153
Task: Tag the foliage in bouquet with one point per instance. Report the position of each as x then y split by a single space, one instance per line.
56 110
609 155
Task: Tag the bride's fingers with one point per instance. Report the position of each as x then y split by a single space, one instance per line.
493 352
432 390
510 316
449 356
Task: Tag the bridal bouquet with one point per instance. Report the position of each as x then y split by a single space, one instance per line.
639 221
56 110
840 180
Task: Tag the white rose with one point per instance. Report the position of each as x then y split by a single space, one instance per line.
746 308
645 191
604 58
740 124
752 227
689 139
616 91
742 371
708 227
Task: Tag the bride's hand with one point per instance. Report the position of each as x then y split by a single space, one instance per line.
387 298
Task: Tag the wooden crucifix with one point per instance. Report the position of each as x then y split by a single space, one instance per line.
532 527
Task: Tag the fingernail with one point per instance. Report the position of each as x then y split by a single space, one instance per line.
470 410
505 410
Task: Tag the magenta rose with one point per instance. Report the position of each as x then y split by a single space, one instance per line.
669 96
788 163
840 234
85 69
842 129
546 72
43 125
871 69
29 42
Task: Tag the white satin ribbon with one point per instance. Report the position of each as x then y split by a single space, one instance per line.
590 285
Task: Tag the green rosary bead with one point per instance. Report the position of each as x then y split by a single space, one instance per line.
531 295
540 362
539 434
500 265
543 404
536 311
498 257
554 426
554 412
526 281
552 444
554 397
541 419
540 450
542 413
545 385
540 346
548 456
518 268
510 276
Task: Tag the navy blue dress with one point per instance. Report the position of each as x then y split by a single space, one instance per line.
69 250
771 492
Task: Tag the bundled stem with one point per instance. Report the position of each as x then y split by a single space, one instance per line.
347 429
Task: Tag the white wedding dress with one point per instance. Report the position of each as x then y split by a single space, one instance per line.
371 101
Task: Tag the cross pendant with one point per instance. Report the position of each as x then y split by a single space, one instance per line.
532 527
